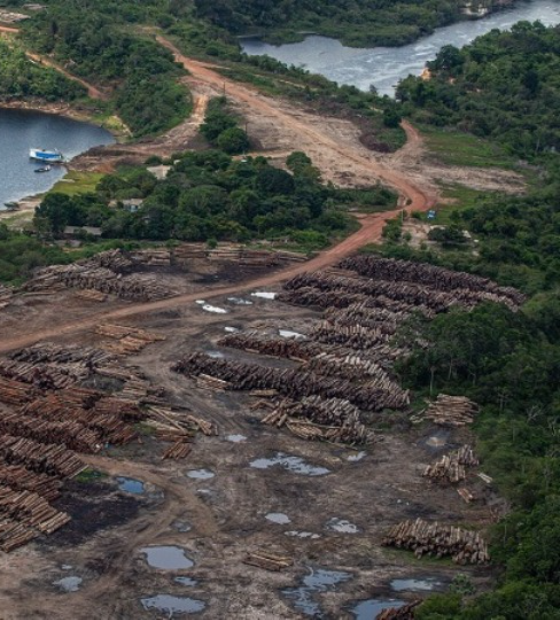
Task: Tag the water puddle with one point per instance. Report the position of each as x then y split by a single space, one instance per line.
173 604
288 333
342 526
320 580
200 474
167 557
353 458
181 526
130 485
278 517
215 354
239 301
370 608
415 585
214 309
298 534
236 438
293 464
185 581
69 584
439 439
264 295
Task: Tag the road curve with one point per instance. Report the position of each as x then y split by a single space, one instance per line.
371 226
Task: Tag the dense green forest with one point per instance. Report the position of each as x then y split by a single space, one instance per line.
20 254
143 73
357 22
111 44
99 42
20 78
505 86
209 196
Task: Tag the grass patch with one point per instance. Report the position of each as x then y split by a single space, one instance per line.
90 475
460 198
462 149
75 183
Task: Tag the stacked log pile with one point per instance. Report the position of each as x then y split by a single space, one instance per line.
452 467
152 257
115 260
14 392
366 315
180 428
309 296
355 367
352 336
84 420
255 342
378 268
425 538
30 477
267 560
6 294
127 340
87 275
450 411
294 383
70 433
50 367
21 479
50 459
313 417
416 294
406 612
233 253
50 353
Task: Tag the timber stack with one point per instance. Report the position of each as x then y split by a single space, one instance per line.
452 467
90 276
293 383
234 253
6 294
313 418
268 560
450 411
435 539
378 268
255 342
127 340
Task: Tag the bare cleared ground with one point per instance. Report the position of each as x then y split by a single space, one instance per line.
227 512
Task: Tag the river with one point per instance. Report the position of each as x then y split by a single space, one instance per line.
22 130
383 67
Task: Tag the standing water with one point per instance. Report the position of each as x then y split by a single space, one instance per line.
23 130
383 67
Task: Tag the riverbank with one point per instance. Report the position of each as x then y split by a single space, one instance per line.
112 123
384 67
377 30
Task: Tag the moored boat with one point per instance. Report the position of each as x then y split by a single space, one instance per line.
46 155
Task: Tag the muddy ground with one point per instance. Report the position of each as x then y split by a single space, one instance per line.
221 514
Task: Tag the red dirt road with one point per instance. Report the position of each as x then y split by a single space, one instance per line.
413 197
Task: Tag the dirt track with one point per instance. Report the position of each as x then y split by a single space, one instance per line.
413 197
